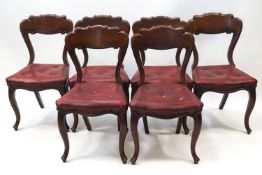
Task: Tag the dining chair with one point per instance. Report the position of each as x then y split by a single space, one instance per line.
100 73
156 74
227 78
36 77
164 100
95 98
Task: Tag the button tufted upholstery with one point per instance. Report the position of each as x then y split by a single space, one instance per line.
221 75
39 76
93 95
100 74
164 97
156 74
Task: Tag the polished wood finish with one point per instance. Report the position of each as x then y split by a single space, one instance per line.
104 20
81 99
178 100
216 23
148 23
35 81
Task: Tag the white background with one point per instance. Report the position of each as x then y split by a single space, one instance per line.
223 145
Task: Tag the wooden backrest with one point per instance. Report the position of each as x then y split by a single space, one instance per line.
106 20
162 38
156 21
44 24
216 23
97 37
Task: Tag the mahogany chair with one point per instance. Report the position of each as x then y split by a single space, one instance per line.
37 77
94 98
164 100
100 73
157 74
221 78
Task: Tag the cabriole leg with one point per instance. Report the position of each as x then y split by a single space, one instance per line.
64 135
12 99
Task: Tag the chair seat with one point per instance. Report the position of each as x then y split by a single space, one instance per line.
39 76
156 74
221 75
93 96
100 74
164 97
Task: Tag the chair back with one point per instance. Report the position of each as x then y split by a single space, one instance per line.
97 37
216 23
44 24
162 38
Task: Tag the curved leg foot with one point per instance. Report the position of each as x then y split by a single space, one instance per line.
39 99
75 123
223 101
122 136
195 134
185 125
87 123
179 124
145 125
134 123
250 106
11 95
63 133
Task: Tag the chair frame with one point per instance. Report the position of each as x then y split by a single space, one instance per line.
216 23
43 24
83 38
105 20
148 23
142 41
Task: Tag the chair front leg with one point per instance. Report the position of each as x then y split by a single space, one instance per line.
122 136
250 106
39 99
12 99
64 135
134 123
223 101
63 90
195 134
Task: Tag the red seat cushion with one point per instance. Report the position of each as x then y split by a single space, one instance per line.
164 97
156 74
92 96
221 75
100 74
39 75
